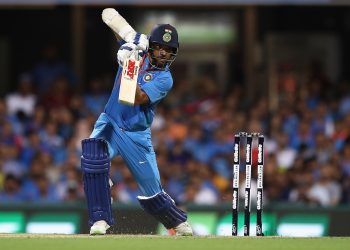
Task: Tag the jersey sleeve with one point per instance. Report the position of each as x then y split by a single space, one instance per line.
158 88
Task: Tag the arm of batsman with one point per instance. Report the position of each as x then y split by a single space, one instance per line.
126 51
120 26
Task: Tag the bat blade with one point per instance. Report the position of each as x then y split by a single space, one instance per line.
128 81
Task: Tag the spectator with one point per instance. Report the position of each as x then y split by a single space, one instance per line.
326 191
96 97
22 102
12 190
49 69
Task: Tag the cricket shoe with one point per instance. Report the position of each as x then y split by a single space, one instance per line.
183 229
99 228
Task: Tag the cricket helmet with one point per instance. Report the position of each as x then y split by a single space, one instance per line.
164 34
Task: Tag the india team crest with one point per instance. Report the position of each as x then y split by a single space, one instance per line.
147 77
167 37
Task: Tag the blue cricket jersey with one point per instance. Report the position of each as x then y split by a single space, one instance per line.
155 83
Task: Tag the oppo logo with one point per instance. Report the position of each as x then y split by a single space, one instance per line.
235 176
248 177
235 155
248 153
260 177
258 202
234 203
246 199
260 153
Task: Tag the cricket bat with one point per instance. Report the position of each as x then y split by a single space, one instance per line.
128 81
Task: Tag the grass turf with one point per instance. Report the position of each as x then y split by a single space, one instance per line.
145 242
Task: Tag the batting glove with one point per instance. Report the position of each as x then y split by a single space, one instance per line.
140 40
126 51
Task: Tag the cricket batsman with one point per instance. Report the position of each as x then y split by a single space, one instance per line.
123 130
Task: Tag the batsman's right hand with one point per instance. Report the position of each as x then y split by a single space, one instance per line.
120 26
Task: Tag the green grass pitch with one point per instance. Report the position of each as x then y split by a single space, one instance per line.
145 242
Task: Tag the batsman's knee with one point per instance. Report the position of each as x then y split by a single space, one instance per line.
93 148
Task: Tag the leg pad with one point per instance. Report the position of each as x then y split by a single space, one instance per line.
163 208
95 166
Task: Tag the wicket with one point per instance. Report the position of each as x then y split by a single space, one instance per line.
248 165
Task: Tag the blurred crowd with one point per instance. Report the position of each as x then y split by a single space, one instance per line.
307 145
